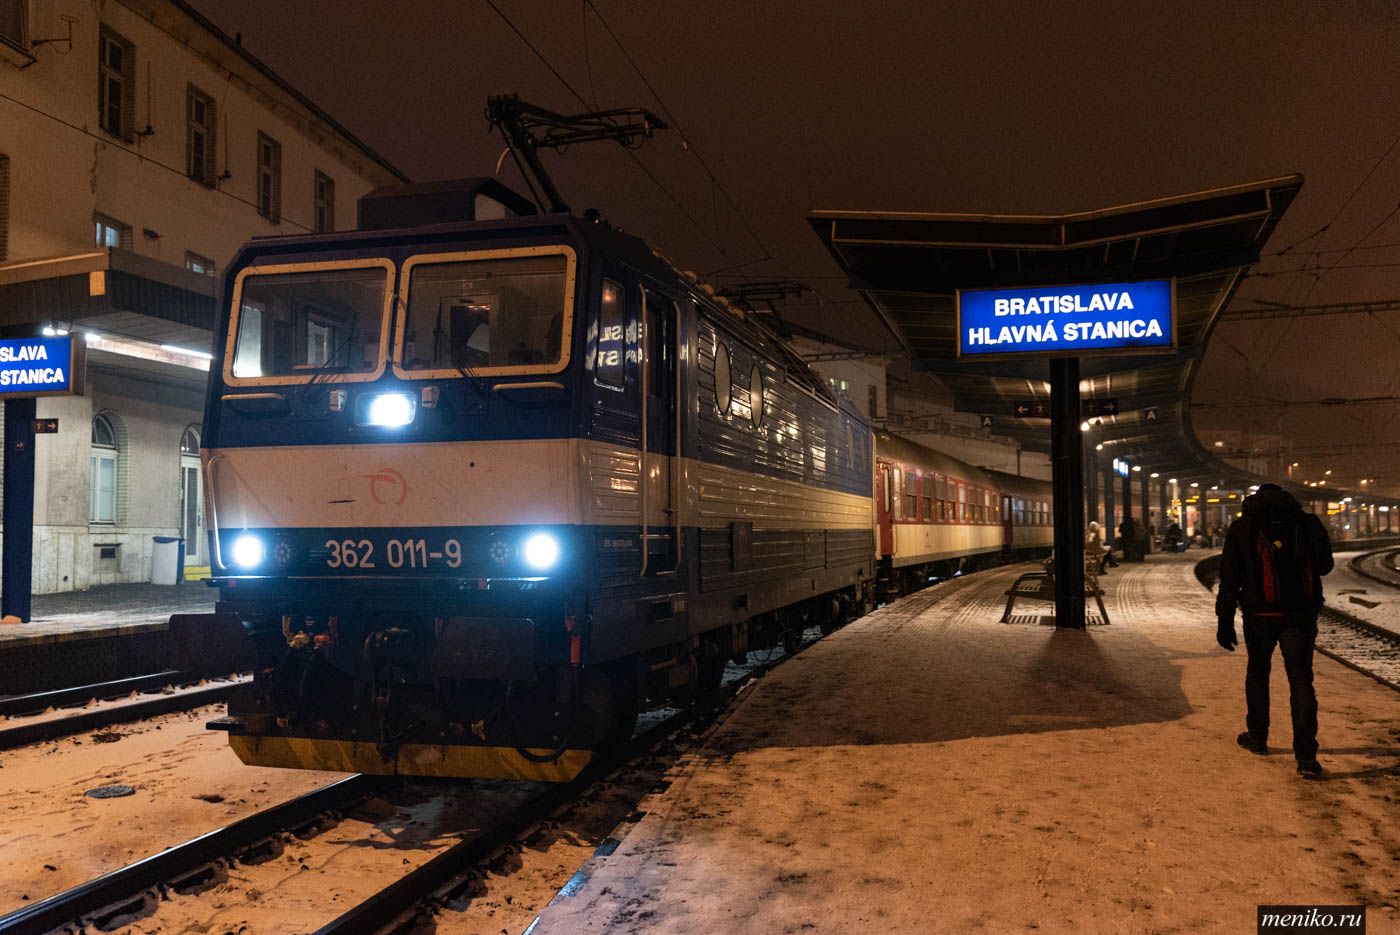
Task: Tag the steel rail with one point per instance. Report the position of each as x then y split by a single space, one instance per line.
37 731
1389 561
111 893
100 691
380 910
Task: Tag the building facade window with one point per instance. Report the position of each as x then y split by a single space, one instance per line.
199 264
102 504
111 232
269 178
115 83
4 207
199 137
14 24
324 190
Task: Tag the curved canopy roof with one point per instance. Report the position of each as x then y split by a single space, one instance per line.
908 265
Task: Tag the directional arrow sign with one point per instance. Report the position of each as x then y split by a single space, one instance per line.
1098 407
1031 409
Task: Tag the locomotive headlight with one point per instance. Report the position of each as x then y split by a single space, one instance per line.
541 551
391 410
248 551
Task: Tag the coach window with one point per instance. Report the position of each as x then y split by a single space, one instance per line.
724 380
928 499
911 496
962 503
898 494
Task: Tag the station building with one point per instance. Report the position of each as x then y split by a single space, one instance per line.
139 147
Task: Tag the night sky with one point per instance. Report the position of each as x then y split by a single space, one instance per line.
981 107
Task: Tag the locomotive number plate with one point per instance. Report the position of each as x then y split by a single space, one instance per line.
392 553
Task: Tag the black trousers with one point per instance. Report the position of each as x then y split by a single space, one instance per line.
1294 636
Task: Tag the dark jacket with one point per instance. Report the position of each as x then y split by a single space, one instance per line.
1239 563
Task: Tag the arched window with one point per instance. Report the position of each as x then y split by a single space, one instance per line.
102 503
189 442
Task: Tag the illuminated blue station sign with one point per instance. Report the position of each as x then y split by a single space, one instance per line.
1065 321
41 367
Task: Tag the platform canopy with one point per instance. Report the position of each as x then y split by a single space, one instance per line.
909 265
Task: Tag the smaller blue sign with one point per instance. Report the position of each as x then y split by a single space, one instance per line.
39 367
1128 317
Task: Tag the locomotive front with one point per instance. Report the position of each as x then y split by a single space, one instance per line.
395 516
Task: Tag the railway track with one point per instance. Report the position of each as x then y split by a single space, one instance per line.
1379 566
103 902
35 728
136 890
1367 647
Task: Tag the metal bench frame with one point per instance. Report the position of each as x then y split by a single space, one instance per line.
1042 588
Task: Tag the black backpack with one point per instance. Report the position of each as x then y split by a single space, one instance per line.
1283 550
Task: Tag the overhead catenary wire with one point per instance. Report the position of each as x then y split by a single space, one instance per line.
584 103
688 144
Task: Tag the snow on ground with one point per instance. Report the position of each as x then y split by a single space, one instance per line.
1351 593
929 769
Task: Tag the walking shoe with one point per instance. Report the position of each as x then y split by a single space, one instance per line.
1310 769
1252 743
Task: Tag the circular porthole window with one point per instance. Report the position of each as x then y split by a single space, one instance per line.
756 395
724 380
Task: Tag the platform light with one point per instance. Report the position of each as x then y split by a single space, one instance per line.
248 551
541 551
1195 483
1137 467
1099 447
390 410
1171 480
1155 474
1328 473
1084 426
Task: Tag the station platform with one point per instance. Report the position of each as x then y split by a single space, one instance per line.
80 637
930 769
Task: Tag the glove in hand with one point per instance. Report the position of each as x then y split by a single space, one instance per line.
1225 634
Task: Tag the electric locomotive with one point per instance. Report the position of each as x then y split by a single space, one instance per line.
483 483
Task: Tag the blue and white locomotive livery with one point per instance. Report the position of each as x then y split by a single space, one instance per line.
481 489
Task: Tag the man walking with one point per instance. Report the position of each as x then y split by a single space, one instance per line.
1272 567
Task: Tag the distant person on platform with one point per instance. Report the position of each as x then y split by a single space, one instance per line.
1094 549
1173 537
1127 538
1272 567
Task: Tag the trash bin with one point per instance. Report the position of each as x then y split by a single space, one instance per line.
165 560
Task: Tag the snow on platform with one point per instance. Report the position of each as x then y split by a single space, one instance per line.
928 769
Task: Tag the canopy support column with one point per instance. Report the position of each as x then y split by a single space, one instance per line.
1067 483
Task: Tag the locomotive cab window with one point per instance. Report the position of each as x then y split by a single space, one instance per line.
502 312
296 322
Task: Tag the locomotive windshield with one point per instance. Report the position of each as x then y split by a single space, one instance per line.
301 322
506 314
